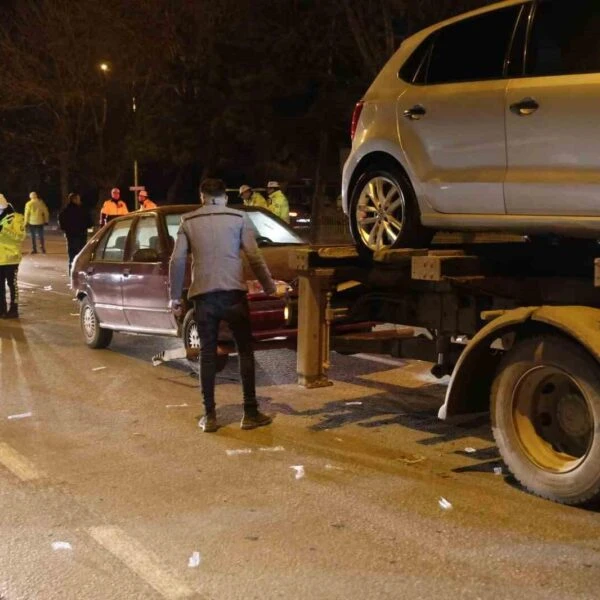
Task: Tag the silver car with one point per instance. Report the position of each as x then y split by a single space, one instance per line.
488 121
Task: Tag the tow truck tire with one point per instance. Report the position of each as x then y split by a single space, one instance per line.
395 209
545 410
95 337
191 340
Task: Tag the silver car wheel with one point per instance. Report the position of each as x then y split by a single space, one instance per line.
89 322
380 213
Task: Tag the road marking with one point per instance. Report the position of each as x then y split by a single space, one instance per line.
17 464
141 561
381 359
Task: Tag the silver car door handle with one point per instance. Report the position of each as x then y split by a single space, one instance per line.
525 107
415 113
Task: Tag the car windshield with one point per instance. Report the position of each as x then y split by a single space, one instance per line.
266 228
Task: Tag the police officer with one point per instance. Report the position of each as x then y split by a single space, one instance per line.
113 207
278 203
215 234
252 198
144 200
12 234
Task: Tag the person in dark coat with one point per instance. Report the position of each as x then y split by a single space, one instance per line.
74 220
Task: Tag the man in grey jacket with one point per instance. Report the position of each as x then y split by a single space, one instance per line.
215 234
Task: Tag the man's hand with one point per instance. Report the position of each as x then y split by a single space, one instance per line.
176 308
281 290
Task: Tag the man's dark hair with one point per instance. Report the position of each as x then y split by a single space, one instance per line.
212 187
72 196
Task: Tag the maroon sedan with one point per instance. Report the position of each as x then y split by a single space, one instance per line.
121 279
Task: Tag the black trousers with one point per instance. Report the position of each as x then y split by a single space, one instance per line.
75 244
8 275
210 310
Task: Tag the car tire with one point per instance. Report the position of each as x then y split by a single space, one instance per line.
95 337
545 406
191 341
397 225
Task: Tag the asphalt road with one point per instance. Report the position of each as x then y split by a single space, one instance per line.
108 489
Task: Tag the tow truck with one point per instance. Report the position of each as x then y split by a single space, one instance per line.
515 324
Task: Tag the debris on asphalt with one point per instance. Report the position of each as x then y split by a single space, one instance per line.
353 403
444 504
167 355
330 467
238 451
194 560
19 416
98 368
272 449
184 405
48 288
299 471
61 546
73 314
338 439
470 450
497 470
412 460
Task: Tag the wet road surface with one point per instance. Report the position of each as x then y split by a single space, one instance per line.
108 489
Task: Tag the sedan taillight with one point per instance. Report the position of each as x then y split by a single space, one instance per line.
355 117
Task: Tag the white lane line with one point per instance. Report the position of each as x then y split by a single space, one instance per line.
381 359
17 464
141 561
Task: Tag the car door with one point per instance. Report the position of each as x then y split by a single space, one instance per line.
552 114
104 275
146 279
451 115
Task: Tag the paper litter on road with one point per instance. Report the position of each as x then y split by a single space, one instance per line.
73 314
444 504
299 471
338 439
353 403
470 450
61 546
497 470
19 416
272 449
194 560
48 288
98 368
239 451
167 355
184 405
412 460
333 468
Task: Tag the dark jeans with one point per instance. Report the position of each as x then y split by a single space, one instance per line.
8 274
210 310
75 244
37 230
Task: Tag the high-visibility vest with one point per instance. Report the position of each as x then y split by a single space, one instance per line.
112 209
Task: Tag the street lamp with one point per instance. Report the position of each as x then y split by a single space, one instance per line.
105 68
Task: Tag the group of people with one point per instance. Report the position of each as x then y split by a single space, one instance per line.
275 201
115 207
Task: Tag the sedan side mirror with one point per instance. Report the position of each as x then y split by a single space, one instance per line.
146 255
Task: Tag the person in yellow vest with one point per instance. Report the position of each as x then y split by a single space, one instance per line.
12 234
113 207
36 216
145 201
252 198
278 203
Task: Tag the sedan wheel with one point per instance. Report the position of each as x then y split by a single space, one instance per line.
95 336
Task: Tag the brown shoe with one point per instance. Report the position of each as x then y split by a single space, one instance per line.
255 419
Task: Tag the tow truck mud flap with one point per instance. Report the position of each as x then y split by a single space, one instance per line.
470 384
